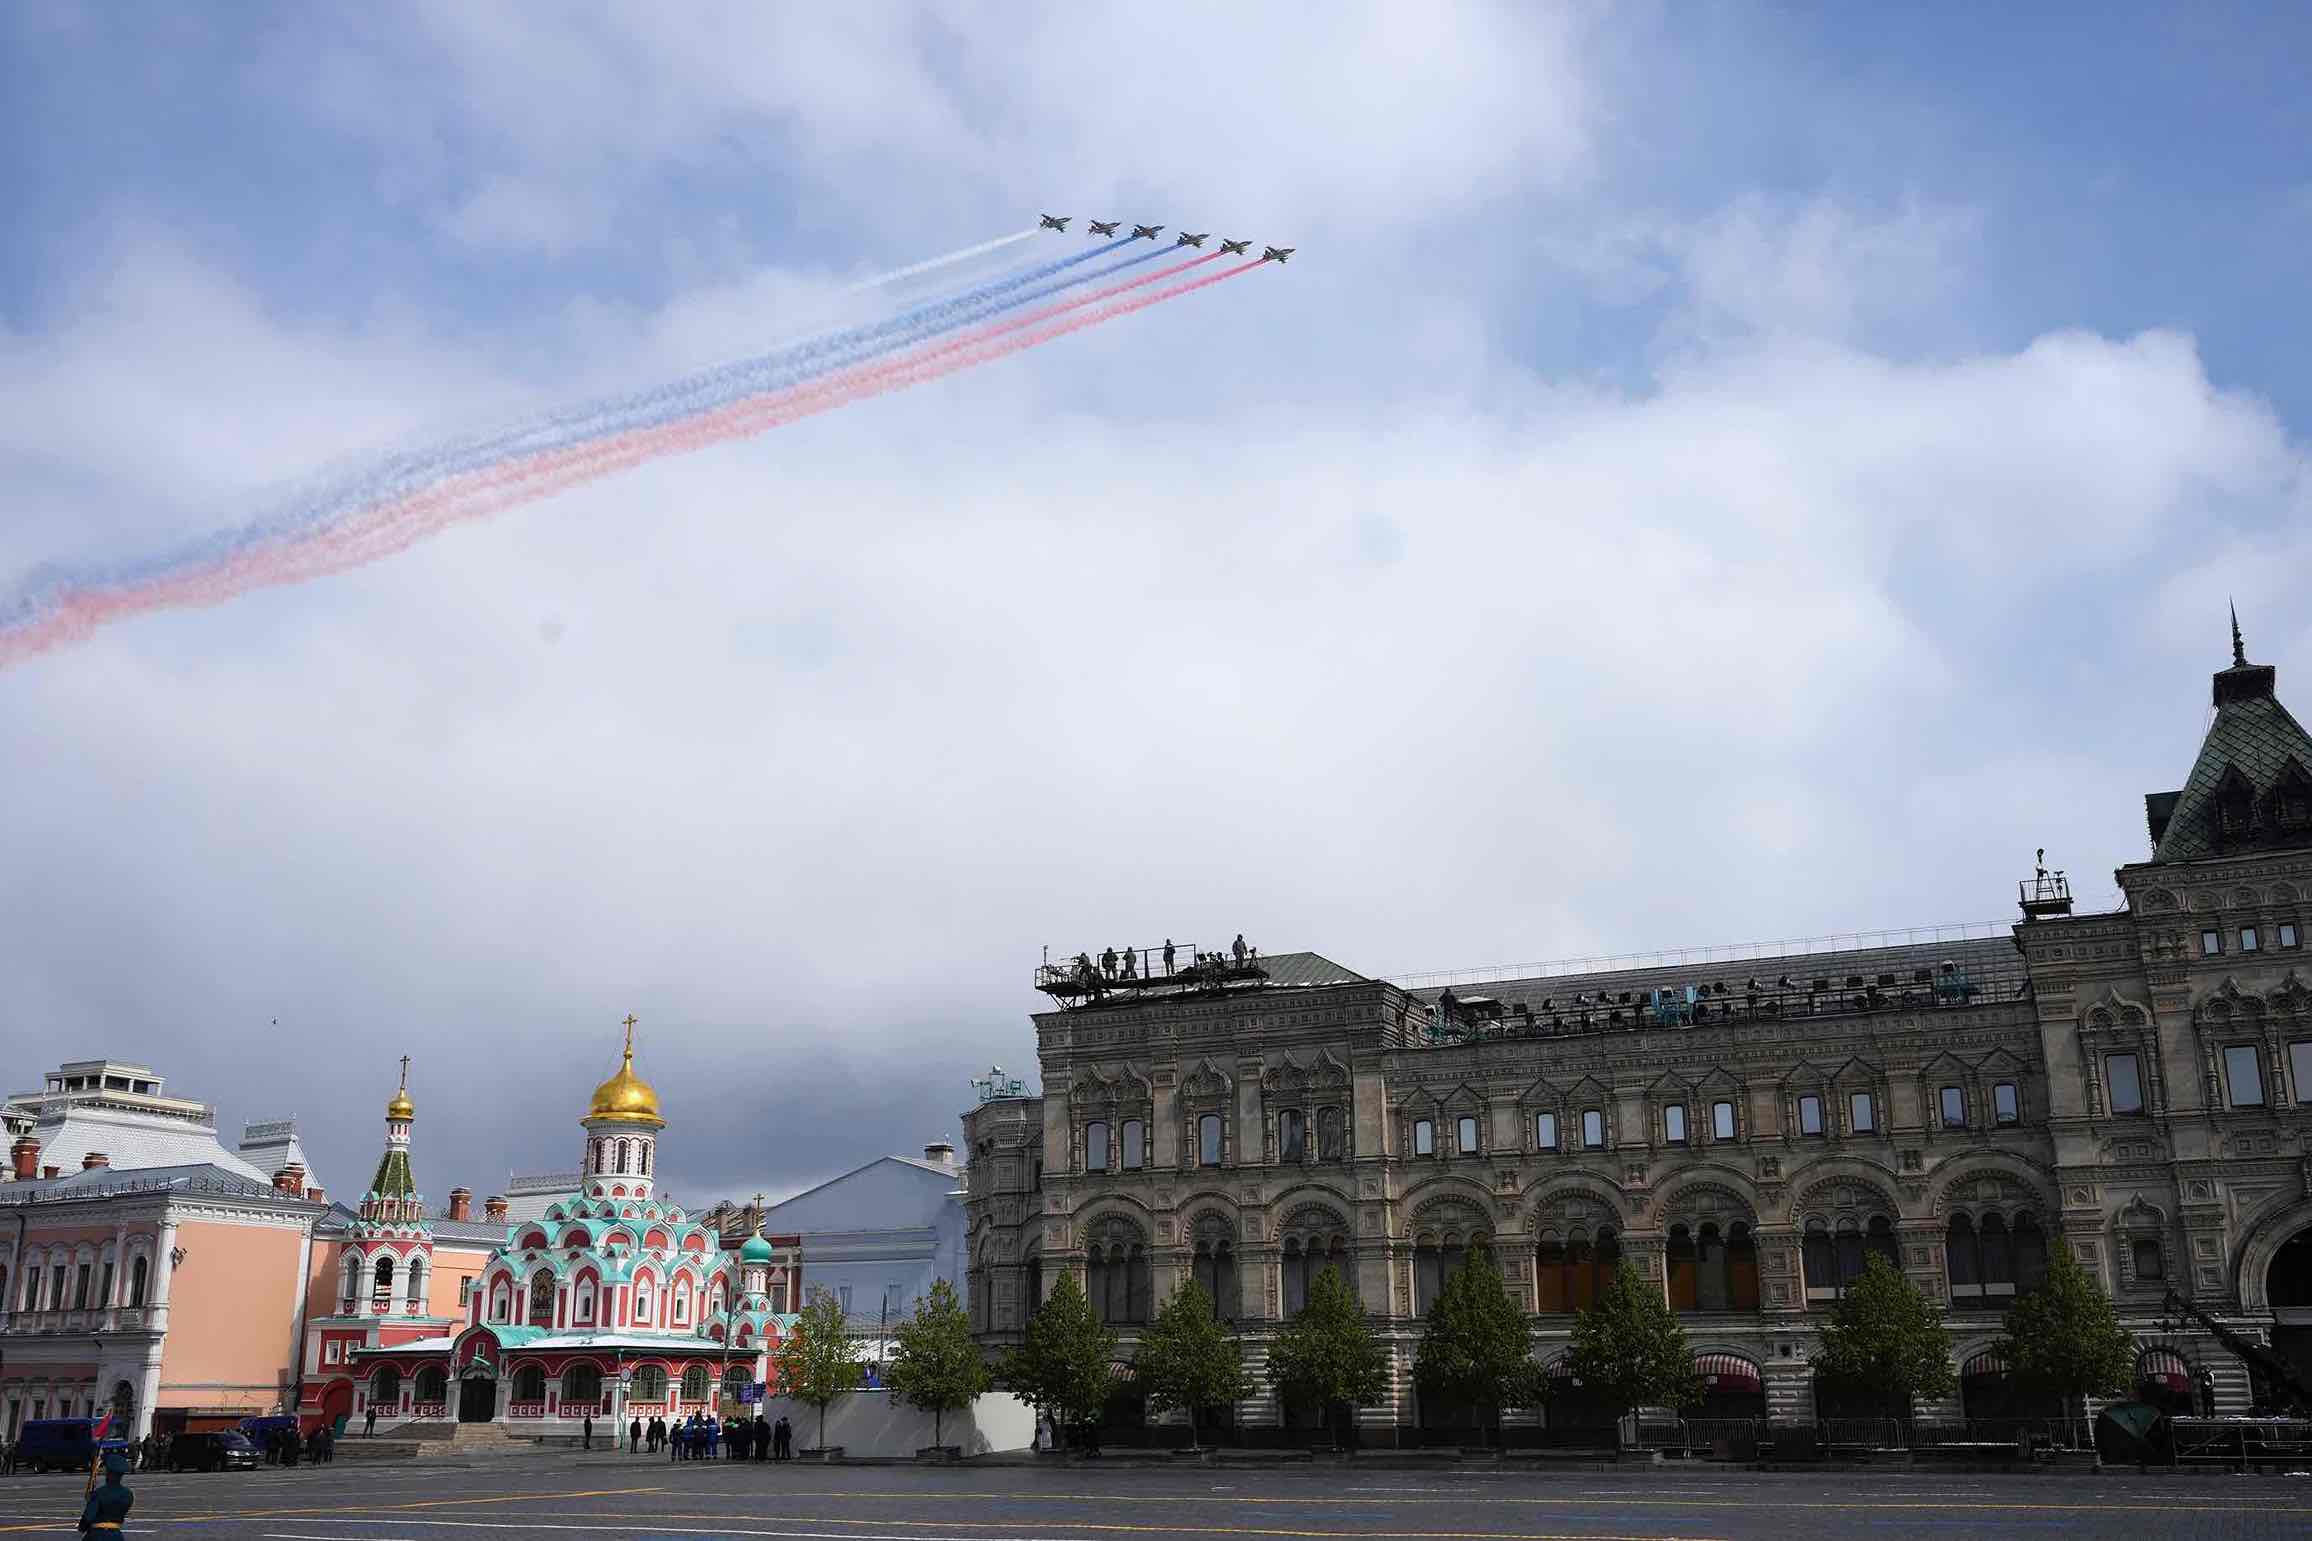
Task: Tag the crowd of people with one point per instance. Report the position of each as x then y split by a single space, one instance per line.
705 1437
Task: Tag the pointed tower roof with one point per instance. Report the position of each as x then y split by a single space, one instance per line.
2249 786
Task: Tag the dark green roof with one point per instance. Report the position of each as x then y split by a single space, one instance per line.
2254 735
393 1180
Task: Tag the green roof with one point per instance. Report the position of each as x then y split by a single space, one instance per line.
2253 735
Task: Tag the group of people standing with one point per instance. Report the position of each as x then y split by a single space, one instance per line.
704 1437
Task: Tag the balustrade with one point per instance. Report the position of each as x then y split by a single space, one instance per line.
429 1409
525 1409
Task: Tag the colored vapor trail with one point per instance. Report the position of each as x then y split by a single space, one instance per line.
392 502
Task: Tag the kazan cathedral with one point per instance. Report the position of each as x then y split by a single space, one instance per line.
609 1305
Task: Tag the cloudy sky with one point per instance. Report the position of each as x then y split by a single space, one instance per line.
1713 473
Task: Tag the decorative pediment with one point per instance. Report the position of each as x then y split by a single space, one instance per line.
1704 1200
2113 1012
1844 1197
1205 1082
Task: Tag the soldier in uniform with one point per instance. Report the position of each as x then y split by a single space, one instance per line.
106 1512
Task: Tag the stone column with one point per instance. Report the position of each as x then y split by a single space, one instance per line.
164 1272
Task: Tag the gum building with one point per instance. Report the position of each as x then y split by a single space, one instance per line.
1746 1126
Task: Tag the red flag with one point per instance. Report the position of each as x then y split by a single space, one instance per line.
103 1426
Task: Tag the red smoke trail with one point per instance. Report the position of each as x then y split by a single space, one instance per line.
401 524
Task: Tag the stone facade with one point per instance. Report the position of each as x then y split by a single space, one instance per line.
1746 1130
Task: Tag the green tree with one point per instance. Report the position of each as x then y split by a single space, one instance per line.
2064 1337
1328 1353
1629 1349
1886 1339
1188 1360
819 1361
937 1368
1064 1365
1475 1348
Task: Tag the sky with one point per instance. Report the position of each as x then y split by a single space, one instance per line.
1713 473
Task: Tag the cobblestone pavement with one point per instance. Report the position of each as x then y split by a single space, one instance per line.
551 1496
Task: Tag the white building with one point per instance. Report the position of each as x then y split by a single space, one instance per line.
121 1113
877 1237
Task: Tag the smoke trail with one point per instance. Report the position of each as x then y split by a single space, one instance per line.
934 264
65 608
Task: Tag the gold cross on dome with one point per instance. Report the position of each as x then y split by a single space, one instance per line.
628 1024
405 1072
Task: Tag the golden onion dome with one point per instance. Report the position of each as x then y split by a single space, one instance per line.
401 1107
626 1098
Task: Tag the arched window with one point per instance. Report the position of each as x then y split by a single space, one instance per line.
622 1154
349 1290
1314 1241
642 1303
1963 1262
650 1383
1096 1146
542 1298
1998 1253
433 1383
582 1384
696 1383
1208 1139
1135 1144
1117 1275
413 1293
736 1378
1681 1254
1713 1270
645 1144
529 1383
1292 1135
385 1384
381 1281
1215 1265
582 1303
1330 1146
1436 1259
2030 1254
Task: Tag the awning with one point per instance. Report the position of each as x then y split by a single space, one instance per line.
1727 1373
1561 1368
1987 1362
2163 1367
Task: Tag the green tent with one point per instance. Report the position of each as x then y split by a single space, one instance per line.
2131 1434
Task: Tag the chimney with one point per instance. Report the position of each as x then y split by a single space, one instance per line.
939 1153
50 1171
290 1179
317 1195
494 1208
24 1156
461 1203
94 1158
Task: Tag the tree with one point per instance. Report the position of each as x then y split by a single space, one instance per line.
1629 1348
1188 1360
1475 1348
1065 1363
1328 1353
1886 1338
2064 1337
819 1361
937 1368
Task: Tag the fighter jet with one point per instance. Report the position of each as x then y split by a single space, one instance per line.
1109 228
1227 246
1277 253
1055 222
1190 240
1146 232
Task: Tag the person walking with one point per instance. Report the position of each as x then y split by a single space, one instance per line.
783 1439
588 1433
369 1424
106 1512
634 1436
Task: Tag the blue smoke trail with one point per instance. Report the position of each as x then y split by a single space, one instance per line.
401 474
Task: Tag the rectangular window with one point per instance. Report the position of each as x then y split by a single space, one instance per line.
332 1351
2004 1107
1465 1137
2300 1068
1593 1129
1135 1145
1293 1135
2149 1264
465 1293
80 1289
1208 1139
1545 1128
2211 943
1095 1147
1424 1137
1859 1112
1674 1123
1810 1115
1721 1120
2244 1075
2126 1089
2287 933
1954 1108
2247 939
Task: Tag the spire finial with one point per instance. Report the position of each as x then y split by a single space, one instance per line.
629 1025
405 1072
2239 653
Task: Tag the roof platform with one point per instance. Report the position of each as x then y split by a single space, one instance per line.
1132 974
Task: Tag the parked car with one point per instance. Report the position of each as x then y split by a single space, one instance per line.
62 1444
226 1450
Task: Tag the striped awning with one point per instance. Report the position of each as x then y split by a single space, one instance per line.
1727 1372
1561 1368
1985 1363
2163 1367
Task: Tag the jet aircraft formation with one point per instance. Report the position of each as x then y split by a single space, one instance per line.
1108 227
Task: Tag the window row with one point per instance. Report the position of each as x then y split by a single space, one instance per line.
1725 1120
2251 939
1129 1149
2243 1072
78 1286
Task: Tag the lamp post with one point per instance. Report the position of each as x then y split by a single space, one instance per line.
625 1384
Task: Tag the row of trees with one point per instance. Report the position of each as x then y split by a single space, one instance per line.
1628 1349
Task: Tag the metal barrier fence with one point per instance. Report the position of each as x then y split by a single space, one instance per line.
2238 1442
